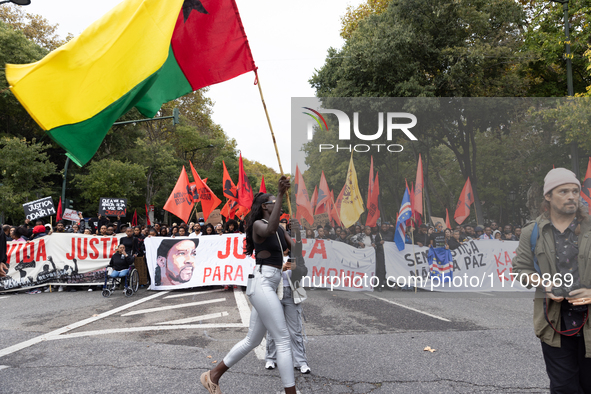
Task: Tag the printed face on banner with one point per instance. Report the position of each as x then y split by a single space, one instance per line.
177 260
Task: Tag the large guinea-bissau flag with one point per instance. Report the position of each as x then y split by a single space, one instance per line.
141 54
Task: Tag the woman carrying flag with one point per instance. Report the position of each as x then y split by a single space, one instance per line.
267 240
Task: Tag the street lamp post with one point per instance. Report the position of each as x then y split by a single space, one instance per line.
569 78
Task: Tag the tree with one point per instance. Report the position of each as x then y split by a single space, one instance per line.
433 48
24 169
545 66
350 21
111 178
36 28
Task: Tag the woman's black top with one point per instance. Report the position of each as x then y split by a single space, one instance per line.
271 244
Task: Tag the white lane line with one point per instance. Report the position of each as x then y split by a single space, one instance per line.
244 310
243 307
165 308
407 307
196 318
484 293
55 333
193 293
4 297
147 328
4 367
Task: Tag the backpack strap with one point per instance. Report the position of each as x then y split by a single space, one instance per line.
533 241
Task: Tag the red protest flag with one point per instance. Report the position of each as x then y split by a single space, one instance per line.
447 223
323 195
466 199
245 196
263 187
209 201
147 216
284 216
58 217
373 210
314 198
134 219
180 202
229 209
586 187
417 196
339 201
304 208
229 187
334 213
242 212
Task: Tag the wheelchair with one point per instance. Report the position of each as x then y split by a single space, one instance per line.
132 282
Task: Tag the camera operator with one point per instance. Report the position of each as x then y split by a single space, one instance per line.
561 254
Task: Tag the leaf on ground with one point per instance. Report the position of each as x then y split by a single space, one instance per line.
429 349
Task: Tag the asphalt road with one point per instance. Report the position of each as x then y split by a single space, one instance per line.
358 342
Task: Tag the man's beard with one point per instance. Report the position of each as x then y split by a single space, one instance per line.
179 277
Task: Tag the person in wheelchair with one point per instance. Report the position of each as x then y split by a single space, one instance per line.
120 263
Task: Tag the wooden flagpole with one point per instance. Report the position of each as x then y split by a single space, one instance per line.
258 82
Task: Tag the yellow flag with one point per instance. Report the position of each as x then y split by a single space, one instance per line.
352 205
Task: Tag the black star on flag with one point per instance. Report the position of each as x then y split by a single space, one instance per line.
190 5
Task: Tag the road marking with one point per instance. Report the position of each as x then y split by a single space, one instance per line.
407 307
4 297
484 293
147 328
56 333
4 367
196 318
165 308
193 293
243 307
244 310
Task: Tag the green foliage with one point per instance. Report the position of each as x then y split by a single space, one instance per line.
111 178
16 49
24 167
544 45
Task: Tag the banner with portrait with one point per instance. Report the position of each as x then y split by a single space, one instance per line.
183 262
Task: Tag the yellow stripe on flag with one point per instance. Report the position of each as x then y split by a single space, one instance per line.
86 75
352 204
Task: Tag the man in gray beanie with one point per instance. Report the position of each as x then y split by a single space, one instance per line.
560 270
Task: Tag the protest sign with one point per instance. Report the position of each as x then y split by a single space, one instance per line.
39 208
70 214
321 219
112 206
214 218
60 258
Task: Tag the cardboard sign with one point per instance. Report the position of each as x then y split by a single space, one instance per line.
321 220
214 218
70 214
436 220
112 206
39 208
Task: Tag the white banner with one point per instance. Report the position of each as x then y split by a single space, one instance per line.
176 263
58 258
479 265
336 265
182 262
